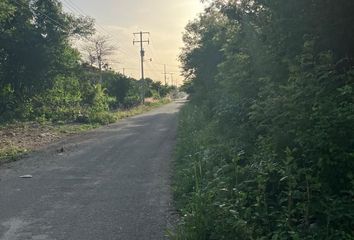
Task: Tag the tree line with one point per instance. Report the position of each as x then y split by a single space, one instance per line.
266 144
43 77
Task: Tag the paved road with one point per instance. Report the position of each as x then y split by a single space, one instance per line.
111 183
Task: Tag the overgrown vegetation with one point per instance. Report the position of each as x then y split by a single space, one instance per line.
46 85
11 153
266 144
20 138
141 108
43 78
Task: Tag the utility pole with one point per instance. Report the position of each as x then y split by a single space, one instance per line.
171 78
142 54
165 74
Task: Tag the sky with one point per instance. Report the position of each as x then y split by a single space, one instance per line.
119 19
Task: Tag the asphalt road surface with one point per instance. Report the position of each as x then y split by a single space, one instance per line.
110 183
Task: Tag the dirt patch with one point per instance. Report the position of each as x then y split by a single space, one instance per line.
27 136
20 138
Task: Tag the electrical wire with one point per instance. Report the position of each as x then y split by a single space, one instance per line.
73 7
153 71
76 9
152 48
43 15
102 30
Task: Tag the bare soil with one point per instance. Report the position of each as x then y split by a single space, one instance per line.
28 136
19 138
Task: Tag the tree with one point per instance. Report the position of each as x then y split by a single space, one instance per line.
98 49
266 143
35 45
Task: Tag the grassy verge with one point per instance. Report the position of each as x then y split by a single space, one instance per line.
74 128
11 154
19 138
188 190
140 109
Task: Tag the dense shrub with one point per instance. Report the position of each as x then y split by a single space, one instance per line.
102 118
60 103
265 147
7 101
42 76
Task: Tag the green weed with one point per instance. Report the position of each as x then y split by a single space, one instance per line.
11 153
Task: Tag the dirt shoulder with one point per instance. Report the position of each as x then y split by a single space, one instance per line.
18 139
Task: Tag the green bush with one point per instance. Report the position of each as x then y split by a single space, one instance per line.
61 102
7 102
131 101
102 118
265 146
101 100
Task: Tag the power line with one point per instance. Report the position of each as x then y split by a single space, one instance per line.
60 25
172 79
159 62
151 63
142 51
153 53
164 65
153 72
165 73
75 8
43 14
81 11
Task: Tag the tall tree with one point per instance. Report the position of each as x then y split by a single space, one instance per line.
35 44
98 49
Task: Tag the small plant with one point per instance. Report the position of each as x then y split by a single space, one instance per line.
11 153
